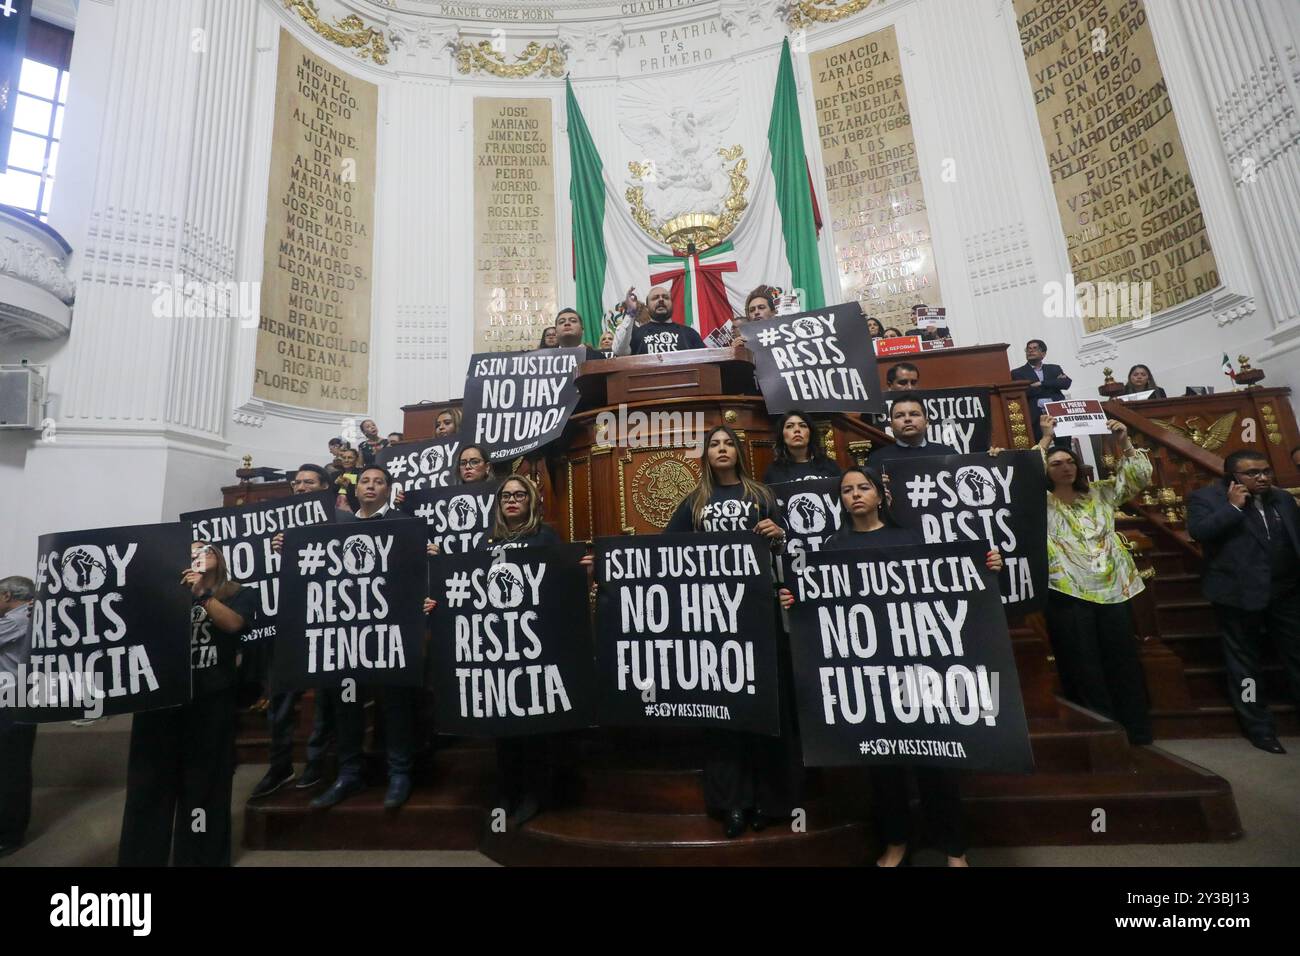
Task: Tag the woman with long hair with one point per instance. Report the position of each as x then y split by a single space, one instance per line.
800 455
868 523
1140 379
549 338
1091 580
182 759
874 328
750 779
447 422
524 764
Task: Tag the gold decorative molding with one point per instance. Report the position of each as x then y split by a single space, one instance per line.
351 32
705 229
536 59
824 11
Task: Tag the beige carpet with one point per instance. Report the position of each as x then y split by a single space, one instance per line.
77 826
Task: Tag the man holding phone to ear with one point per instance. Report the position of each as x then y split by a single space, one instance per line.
1250 533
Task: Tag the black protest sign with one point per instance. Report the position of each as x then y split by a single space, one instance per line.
516 402
457 517
819 361
685 636
956 416
110 626
998 500
245 534
351 605
812 514
902 656
415 465
511 649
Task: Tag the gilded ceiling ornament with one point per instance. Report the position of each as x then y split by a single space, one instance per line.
484 58
351 32
823 11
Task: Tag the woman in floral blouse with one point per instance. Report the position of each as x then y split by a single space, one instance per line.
1091 579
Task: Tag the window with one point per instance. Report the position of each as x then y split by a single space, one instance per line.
28 180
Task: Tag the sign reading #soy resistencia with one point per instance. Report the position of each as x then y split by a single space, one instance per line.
819 361
351 605
110 626
511 651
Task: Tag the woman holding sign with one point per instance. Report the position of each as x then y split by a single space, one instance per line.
868 524
750 778
1091 579
524 764
182 759
799 455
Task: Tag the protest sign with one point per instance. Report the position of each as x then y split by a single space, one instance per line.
427 464
351 605
110 626
457 517
1077 417
685 632
818 361
957 416
511 651
516 402
902 656
244 535
1001 501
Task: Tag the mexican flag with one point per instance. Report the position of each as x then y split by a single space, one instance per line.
1227 367
774 243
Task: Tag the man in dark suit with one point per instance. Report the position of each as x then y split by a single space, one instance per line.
1250 532
1047 382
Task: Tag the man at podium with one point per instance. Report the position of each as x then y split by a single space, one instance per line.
661 334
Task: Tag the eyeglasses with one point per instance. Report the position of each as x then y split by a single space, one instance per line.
470 462
513 495
1255 472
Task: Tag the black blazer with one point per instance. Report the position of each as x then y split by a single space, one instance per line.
1236 550
1054 382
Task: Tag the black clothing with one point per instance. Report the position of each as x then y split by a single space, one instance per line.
369 449
779 472
1097 658
886 453
212 650
1050 389
886 537
727 510
1246 563
17 742
182 760
939 789
281 717
1244 635
543 536
654 338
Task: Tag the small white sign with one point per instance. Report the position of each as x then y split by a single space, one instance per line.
1077 417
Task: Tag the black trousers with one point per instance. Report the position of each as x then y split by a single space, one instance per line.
17 742
397 706
182 761
1097 658
1244 636
280 716
525 768
940 794
753 771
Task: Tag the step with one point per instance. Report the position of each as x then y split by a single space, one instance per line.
1168 562
1164 799
1195 648
581 837
447 811
1176 586
1216 721
1180 617
1208 683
